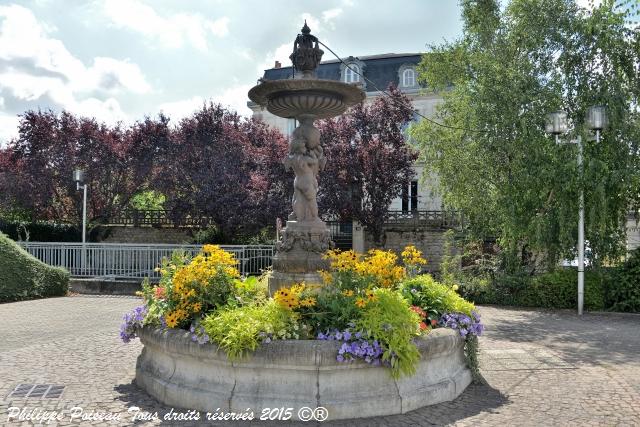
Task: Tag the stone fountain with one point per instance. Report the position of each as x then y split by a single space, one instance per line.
299 375
306 98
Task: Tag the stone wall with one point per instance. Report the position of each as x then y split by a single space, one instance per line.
119 234
430 242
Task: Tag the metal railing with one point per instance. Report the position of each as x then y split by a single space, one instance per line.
435 219
159 217
120 260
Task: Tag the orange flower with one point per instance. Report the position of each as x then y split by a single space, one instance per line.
159 292
423 326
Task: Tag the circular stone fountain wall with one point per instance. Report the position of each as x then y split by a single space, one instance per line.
295 374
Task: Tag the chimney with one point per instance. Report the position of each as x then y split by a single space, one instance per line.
278 64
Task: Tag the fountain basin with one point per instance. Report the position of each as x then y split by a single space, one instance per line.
296 374
318 98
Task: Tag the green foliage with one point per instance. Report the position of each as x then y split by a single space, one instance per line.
556 289
333 310
148 200
24 277
40 231
251 290
622 291
471 350
209 235
433 297
238 330
493 159
387 318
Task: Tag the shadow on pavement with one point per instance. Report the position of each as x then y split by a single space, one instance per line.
476 399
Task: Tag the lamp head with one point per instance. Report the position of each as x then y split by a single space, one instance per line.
556 123
78 176
597 117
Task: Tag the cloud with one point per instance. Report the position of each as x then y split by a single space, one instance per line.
8 128
234 98
330 15
172 32
37 70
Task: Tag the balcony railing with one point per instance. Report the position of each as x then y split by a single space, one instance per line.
431 219
159 217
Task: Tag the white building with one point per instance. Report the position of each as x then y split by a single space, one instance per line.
378 72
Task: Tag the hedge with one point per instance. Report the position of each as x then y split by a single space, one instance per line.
557 289
40 231
22 276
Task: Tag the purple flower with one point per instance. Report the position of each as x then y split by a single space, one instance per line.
131 322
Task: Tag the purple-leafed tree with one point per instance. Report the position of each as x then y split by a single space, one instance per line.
227 167
369 160
38 164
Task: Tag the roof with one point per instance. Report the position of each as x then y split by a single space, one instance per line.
379 69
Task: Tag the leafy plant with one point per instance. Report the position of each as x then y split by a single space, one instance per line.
238 330
433 297
623 285
388 319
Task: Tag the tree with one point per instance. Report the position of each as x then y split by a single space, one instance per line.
226 167
492 156
369 160
39 164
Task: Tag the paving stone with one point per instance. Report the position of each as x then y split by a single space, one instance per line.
540 367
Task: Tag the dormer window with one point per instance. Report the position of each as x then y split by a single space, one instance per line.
408 77
352 73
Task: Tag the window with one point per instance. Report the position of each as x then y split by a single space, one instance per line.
351 74
410 197
408 78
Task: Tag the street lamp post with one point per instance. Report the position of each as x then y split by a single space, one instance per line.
79 178
557 125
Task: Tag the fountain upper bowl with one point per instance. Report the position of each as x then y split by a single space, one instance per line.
293 98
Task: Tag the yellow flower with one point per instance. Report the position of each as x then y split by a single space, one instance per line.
196 307
347 293
360 302
171 319
308 302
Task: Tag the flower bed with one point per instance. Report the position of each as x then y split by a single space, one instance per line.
294 374
372 312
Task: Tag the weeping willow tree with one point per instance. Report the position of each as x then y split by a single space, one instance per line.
511 67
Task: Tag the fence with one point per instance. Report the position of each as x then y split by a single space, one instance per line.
434 219
120 260
159 217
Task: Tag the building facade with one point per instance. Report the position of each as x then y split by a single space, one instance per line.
416 216
374 74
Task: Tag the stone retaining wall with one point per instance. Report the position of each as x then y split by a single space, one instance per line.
122 234
295 374
430 242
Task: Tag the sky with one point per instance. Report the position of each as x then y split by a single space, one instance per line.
122 60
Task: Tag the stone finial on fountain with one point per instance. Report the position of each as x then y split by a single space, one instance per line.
306 54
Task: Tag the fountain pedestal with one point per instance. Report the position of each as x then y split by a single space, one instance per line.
299 254
306 98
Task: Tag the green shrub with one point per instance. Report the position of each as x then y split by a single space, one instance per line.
556 289
40 231
622 289
242 329
434 297
387 318
24 277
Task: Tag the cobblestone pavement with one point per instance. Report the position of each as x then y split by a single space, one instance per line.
541 368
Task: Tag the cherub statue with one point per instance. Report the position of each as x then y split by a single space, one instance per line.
305 184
